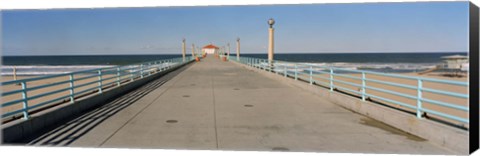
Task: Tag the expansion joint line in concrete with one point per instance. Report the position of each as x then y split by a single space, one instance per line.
214 112
143 109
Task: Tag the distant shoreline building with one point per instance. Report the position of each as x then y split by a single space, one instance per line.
456 62
210 49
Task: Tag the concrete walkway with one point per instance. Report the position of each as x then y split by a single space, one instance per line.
220 105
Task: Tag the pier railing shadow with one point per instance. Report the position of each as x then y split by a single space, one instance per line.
68 131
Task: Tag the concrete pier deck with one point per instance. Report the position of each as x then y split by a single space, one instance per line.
212 105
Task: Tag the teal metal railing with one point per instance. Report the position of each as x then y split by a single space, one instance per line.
335 79
77 84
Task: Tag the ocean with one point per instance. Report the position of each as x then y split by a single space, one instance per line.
48 65
380 62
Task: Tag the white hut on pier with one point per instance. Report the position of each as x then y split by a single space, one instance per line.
210 49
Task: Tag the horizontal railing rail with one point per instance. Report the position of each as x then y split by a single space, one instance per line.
364 85
19 98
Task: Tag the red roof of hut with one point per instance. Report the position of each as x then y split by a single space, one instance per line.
210 46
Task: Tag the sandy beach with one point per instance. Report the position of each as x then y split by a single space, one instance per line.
443 98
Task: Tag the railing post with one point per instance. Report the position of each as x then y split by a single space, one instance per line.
131 74
100 81
284 70
163 64
72 99
269 65
419 98
159 66
118 76
25 101
331 79
154 67
276 71
148 68
260 66
145 69
363 86
311 75
265 66
151 68
141 70
296 75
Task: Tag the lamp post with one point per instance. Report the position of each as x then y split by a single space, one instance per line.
222 52
238 49
270 42
198 52
193 50
183 49
228 51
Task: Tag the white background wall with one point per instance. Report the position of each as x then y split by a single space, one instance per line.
209 51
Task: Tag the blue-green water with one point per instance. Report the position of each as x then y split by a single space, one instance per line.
82 60
361 57
383 62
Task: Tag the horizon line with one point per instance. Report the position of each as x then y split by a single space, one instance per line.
232 53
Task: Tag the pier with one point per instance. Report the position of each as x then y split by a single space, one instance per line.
225 105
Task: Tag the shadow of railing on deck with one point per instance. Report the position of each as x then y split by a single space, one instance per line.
69 131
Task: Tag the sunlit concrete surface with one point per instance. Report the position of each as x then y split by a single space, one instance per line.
220 105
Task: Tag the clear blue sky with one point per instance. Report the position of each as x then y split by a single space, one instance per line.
319 28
